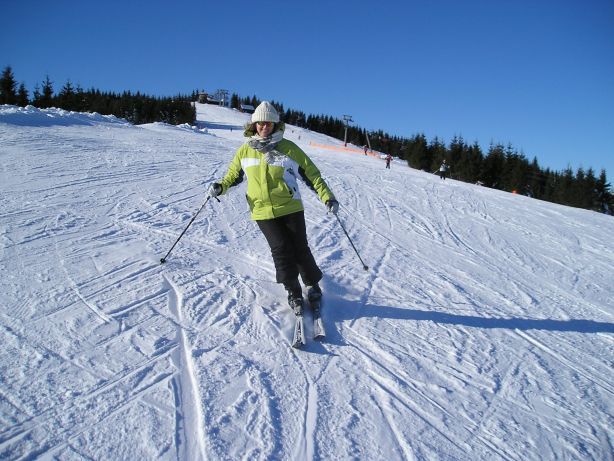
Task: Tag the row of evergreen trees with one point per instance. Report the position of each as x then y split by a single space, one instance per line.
502 167
136 108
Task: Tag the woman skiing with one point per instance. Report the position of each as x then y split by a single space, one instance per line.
272 165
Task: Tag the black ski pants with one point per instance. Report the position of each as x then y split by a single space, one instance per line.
287 238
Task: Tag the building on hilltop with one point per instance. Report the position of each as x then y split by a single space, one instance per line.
247 108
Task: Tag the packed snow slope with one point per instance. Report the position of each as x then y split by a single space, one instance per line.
482 330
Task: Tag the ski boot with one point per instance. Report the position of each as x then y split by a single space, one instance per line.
314 293
295 297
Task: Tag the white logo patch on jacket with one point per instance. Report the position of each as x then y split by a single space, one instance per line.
279 159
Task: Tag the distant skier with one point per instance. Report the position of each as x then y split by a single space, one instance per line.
388 159
272 165
443 170
365 149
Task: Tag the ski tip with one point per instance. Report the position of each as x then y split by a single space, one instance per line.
299 343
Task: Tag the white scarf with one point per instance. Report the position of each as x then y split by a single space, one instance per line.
267 144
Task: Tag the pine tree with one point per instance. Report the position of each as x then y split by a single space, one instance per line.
8 85
591 201
493 166
552 186
22 96
564 193
581 196
234 101
46 98
537 180
474 163
81 100
515 172
417 153
458 158
66 97
605 198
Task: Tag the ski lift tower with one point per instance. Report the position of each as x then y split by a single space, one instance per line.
222 97
347 119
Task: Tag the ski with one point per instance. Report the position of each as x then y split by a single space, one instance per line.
318 325
299 333
299 338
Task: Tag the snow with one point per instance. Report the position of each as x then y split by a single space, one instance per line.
483 328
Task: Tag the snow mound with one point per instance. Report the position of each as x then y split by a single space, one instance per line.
35 117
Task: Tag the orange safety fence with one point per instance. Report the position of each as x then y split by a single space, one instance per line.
346 149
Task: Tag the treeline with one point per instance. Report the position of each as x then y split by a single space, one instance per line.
501 167
134 107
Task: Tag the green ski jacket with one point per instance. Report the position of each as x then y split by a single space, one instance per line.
272 188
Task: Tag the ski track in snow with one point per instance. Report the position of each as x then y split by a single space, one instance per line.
189 429
483 328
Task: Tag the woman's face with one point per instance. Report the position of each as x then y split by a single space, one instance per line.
264 129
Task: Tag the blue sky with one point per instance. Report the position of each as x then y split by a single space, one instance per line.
538 75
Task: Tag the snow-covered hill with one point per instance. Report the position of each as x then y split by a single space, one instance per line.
482 330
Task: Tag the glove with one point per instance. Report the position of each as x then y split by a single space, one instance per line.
332 205
215 189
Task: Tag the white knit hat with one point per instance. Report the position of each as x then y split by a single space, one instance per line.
265 112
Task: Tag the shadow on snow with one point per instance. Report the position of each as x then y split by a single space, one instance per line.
572 325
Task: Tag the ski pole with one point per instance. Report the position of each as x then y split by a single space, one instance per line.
163 260
364 266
